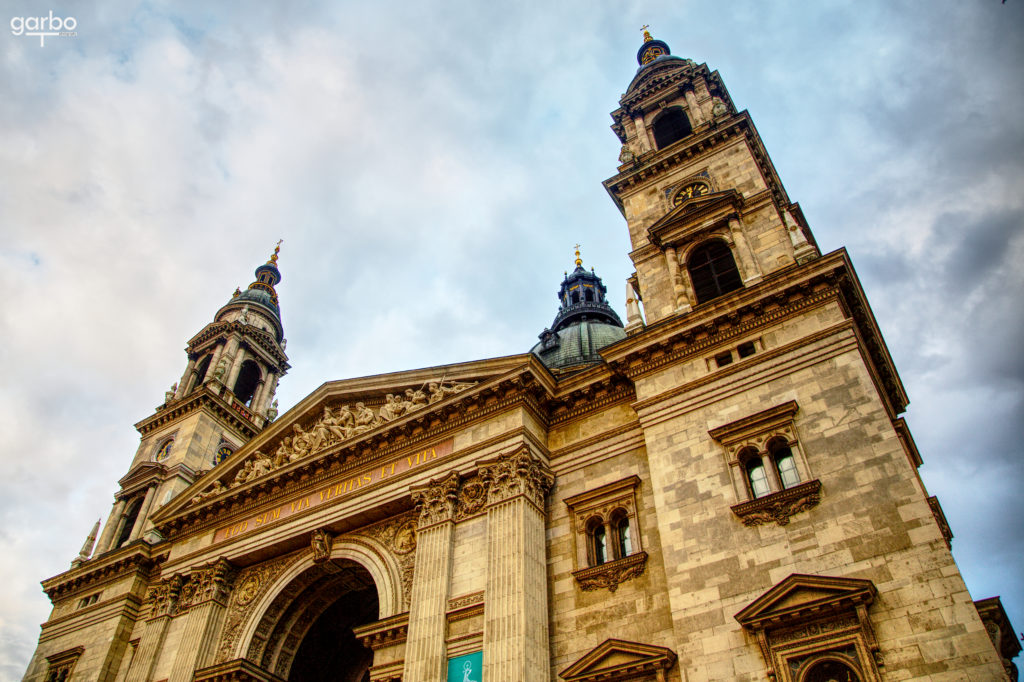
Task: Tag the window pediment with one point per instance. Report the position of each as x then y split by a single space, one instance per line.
616 659
801 596
694 216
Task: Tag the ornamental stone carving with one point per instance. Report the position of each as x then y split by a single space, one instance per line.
321 541
610 575
779 507
252 583
212 582
516 474
398 534
436 501
332 427
163 597
472 498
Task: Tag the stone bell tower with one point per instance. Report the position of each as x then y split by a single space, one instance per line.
223 399
706 211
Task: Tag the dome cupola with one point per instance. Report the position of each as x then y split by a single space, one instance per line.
584 324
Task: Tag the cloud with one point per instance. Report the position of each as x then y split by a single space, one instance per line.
430 167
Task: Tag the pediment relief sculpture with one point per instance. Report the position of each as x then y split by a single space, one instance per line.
334 426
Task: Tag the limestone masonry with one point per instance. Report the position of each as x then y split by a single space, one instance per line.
719 489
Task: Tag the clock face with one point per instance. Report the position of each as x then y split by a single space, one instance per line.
223 452
689 191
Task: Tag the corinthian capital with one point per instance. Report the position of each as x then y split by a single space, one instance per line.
436 501
515 474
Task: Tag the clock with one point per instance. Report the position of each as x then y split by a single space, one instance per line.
689 191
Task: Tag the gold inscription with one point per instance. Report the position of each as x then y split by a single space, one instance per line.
335 490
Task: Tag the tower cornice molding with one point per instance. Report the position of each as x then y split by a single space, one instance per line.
263 339
236 415
137 557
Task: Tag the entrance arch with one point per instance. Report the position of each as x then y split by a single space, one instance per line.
310 609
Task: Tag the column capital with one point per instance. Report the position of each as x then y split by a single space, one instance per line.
516 474
436 500
211 582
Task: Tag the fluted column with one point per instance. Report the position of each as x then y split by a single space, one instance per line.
140 520
113 521
163 601
206 597
515 593
425 655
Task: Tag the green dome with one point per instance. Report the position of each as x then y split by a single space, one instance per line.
577 344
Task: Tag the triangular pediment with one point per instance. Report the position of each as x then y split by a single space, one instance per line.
798 596
615 659
142 472
429 397
693 215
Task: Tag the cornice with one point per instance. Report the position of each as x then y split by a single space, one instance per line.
138 557
420 428
262 338
238 417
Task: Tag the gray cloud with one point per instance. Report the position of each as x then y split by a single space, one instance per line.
430 168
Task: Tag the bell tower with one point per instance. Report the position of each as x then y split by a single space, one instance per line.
224 398
706 212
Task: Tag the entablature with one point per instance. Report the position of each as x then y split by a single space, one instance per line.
137 557
783 293
213 397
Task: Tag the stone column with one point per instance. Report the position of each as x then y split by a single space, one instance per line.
236 367
643 142
516 591
183 384
206 597
752 273
113 521
163 599
682 301
425 655
214 359
696 115
140 520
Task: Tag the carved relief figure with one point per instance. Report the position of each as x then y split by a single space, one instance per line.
321 543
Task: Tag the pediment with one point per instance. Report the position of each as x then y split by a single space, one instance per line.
693 215
142 472
801 596
352 419
616 659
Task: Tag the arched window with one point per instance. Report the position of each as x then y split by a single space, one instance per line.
671 126
757 477
598 542
248 380
201 369
588 294
575 297
713 271
131 514
785 464
830 671
623 541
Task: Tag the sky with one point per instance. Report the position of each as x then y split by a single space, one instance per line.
430 166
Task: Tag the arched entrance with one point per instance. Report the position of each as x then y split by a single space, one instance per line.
306 632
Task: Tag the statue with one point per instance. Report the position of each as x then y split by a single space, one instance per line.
346 419
169 395
332 425
261 465
272 411
321 542
284 452
626 154
718 109
438 391
221 370
243 474
414 400
391 409
243 317
364 418
301 441
216 488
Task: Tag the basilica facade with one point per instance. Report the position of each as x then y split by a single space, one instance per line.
719 488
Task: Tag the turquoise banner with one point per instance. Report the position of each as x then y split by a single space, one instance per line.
468 668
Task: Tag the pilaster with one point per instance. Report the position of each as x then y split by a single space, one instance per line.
163 598
425 655
113 521
206 596
515 596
